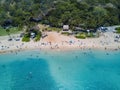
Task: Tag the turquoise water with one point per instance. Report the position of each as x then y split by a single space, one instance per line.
60 70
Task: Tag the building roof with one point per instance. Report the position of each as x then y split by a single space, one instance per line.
65 26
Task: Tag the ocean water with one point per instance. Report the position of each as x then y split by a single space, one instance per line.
60 70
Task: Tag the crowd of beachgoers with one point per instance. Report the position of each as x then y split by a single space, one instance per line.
57 41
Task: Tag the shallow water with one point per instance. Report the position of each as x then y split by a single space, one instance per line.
60 70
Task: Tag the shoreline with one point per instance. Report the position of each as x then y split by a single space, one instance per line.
56 41
59 49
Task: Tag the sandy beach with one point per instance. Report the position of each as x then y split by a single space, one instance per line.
57 41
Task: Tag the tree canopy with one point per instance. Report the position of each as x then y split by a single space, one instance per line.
84 13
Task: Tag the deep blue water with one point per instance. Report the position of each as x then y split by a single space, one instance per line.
60 70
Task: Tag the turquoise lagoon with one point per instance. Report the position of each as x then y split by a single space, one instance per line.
60 70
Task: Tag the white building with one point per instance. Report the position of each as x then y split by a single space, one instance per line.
65 27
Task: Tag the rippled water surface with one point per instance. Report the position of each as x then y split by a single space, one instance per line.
60 70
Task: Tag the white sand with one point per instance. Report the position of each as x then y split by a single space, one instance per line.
55 40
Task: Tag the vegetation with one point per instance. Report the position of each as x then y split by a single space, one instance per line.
54 29
38 36
26 38
12 30
118 30
81 36
56 13
65 33
85 35
85 13
90 35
